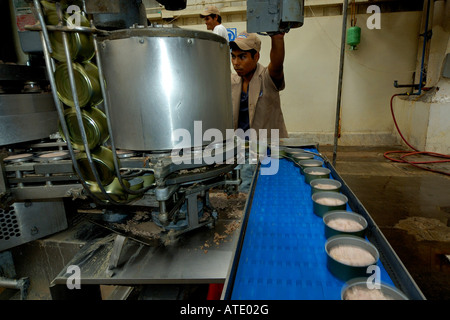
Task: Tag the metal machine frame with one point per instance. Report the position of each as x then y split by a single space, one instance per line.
28 185
167 183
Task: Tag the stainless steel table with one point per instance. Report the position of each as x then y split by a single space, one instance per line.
194 258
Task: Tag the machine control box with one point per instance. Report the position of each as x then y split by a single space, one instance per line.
274 15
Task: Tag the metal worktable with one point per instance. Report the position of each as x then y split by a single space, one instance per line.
195 258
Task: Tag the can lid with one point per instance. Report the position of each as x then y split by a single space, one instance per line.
82 83
92 71
81 45
22 157
53 156
56 41
95 126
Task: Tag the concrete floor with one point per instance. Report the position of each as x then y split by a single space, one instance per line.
411 207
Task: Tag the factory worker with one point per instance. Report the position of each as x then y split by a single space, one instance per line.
256 89
213 21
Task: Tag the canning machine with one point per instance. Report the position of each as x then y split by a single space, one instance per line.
116 118
116 114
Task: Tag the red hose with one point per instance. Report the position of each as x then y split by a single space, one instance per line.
415 152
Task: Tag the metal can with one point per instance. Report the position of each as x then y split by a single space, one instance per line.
49 9
92 71
86 81
345 270
81 45
103 160
95 127
114 190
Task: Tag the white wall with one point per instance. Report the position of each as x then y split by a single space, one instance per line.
424 123
425 120
312 66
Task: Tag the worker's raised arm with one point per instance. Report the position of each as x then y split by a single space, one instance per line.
275 66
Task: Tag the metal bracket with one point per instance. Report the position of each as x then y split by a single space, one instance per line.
116 254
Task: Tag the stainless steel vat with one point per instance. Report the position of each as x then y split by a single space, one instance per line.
162 79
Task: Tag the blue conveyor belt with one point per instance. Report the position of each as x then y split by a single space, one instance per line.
283 252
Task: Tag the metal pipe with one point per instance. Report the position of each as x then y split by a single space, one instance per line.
73 88
425 39
11 283
80 119
78 29
415 86
60 108
341 71
62 120
50 69
22 284
37 5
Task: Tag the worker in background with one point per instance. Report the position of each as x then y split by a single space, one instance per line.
213 21
255 90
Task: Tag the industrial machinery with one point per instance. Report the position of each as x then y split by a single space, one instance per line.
111 114
266 16
133 89
112 118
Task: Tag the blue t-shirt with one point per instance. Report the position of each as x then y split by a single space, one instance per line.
244 121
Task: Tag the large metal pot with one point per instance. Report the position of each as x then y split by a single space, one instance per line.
162 79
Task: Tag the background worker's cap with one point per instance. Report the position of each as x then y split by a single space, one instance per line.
210 10
247 41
